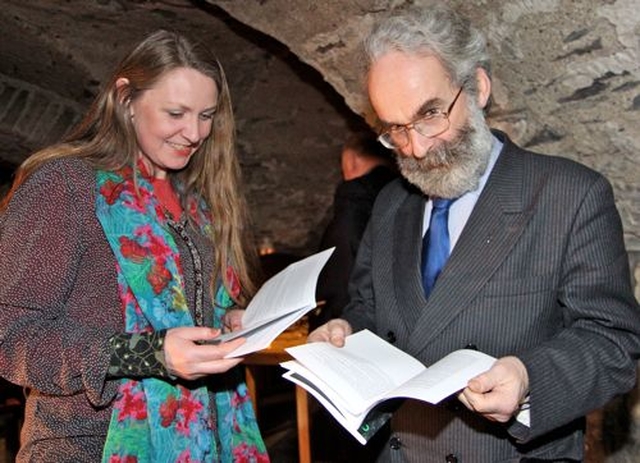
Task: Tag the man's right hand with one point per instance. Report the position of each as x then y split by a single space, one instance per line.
334 331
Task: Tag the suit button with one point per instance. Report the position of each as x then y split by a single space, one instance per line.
451 458
395 443
452 404
391 337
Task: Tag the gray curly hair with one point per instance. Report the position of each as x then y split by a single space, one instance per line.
432 31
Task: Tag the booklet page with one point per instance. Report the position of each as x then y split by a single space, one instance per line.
309 382
289 290
356 383
281 301
260 338
445 377
362 371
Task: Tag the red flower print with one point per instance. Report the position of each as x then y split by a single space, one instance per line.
127 172
189 409
244 453
238 399
234 283
132 250
127 295
159 277
158 246
131 404
123 459
160 212
185 457
133 203
192 207
239 452
168 411
110 191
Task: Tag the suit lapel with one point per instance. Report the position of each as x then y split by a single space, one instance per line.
407 241
496 222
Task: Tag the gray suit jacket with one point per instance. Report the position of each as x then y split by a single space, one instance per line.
540 271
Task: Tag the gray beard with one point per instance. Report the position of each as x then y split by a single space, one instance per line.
452 168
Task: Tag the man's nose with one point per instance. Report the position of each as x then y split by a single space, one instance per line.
418 145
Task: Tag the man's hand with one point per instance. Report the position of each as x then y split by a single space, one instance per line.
232 320
334 331
498 393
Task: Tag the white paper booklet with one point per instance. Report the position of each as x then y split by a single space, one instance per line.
354 382
281 301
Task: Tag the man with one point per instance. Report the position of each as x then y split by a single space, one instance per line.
538 276
367 167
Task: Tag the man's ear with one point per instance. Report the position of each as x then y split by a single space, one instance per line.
346 164
483 82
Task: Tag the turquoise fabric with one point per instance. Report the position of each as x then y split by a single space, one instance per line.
154 420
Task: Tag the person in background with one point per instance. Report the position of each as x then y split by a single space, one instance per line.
367 167
537 276
123 250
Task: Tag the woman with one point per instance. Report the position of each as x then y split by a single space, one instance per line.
122 249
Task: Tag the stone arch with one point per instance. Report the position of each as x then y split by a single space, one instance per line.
31 117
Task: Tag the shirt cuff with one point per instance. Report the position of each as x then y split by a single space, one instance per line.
138 355
524 415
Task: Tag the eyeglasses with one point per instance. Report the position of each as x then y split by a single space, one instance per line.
430 125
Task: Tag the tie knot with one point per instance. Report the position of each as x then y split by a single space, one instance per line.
442 203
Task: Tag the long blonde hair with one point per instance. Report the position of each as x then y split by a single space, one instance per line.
105 137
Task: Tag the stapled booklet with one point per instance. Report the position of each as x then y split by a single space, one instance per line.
281 301
358 383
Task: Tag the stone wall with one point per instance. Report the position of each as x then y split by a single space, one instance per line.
566 81
290 121
566 73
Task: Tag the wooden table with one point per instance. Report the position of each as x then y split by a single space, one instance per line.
273 356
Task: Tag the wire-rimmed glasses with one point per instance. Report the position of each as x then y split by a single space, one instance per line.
430 125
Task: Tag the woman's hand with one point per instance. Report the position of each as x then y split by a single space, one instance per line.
187 359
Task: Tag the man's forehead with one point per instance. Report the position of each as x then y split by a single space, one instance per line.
401 86
405 65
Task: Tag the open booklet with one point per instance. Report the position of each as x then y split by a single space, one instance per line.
356 383
281 301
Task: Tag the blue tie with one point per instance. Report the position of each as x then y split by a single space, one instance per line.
435 244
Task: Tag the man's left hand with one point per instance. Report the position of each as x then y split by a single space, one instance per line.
232 320
498 393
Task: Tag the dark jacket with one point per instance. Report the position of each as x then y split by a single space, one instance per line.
540 271
59 306
352 205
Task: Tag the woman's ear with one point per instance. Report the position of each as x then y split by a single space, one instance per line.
483 82
123 92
